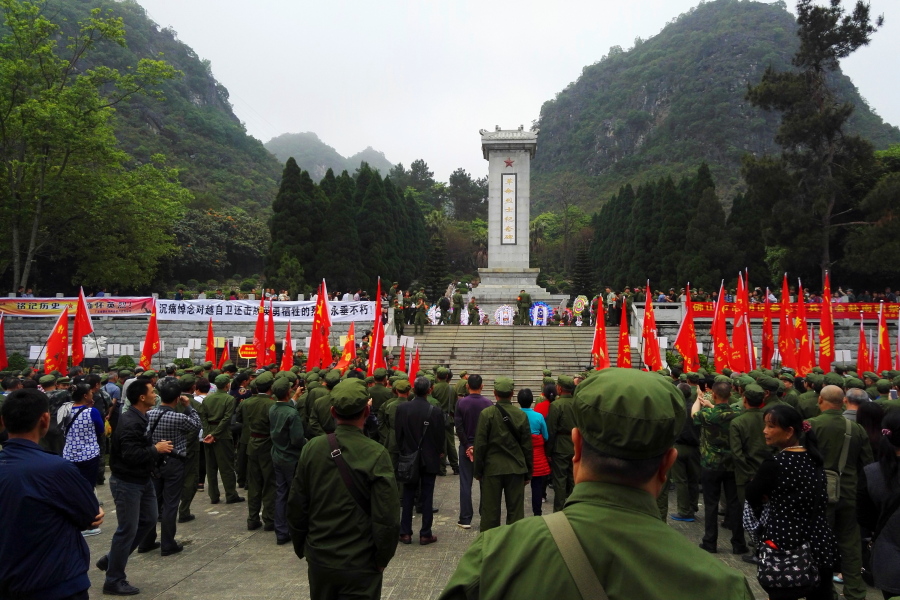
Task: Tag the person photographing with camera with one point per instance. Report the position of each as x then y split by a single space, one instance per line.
132 458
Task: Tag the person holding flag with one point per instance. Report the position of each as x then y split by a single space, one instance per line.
722 348
686 340
80 328
287 355
599 350
787 344
863 358
826 329
652 358
623 357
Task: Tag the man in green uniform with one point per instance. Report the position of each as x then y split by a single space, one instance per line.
421 316
254 414
286 431
808 402
408 310
320 420
831 429
303 404
386 419
399 320
627 421
884 396
748 444
343 511
503 457
457 308
215 415
472 308
791 396
192 452
717 468
446 396
560 421
379 393
770 388
686 470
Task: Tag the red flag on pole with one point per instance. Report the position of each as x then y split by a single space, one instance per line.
826 329
863 357
804 359
315 343
80 328
787 346
151 341
414 365
721 346
210 344
401 366
599 350
740 359
376 352
896 356
652 359
4 361
349 352
768 337
884 343
812 344
259 334
57 356
287 356
686 340
623 358
226 356
271 355
325 338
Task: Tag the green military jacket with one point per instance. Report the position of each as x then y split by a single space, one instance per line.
792 398
215 415
887 404
446 395
715 445
560 422
254 414
303 411
457 301
830 428
327 526
192 439
379 395
387 436
772 401
473 313
808 404
286 430
748 444
398 314
497 451
320 419
651 560
872 391
461 390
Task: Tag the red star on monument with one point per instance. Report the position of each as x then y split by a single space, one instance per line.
509 162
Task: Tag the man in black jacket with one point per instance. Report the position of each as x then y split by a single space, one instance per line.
132 457
685 472
418 422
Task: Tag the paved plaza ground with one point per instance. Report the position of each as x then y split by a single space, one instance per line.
223 560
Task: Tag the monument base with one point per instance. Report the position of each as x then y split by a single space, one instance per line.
503 286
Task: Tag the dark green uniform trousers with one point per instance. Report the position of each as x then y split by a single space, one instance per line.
191 479
220 461
420 323
450 454
455 317
563 479
341 584
242 465
260 488
842 519
398 324
510 486
685 474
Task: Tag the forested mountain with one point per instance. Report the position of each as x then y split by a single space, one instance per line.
677 100
316 157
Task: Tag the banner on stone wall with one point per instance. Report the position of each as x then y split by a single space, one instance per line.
109 306
247 310
842 310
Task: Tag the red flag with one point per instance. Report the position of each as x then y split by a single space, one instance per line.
80 328
56 357
4 362
623 359
376 351
414 365
804 359
768 337
722 348
319 333
210 344
402 362
599 350
686 340
740 359
863 358
287 357
812 344
896 356
826 329
271 355
787 347
325 338
884 343
151 342
225 356
259 334
652 359
349 352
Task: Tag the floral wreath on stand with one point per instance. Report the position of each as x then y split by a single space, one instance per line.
434 315
504 315
464 315
541 314
581 303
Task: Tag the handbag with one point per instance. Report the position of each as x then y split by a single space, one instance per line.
833 478
786 569
408 465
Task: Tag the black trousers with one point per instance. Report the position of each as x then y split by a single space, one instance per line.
168 495
537 495
713 482
426 492
341 584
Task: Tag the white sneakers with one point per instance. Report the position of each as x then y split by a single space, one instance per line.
90 532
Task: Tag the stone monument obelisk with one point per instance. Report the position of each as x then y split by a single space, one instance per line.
509 154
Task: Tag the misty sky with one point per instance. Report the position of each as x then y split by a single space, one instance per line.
419 79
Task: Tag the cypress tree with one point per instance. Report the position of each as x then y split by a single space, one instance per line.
340 259
675 220
584 278
416 236
644 234
289 225
329 183
437 269
706 245
373 229
744 227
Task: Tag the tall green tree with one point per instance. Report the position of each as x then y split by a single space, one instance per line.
468 196
584 277
437 270
339 262
374 231
706 245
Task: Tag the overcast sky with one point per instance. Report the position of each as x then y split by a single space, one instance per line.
419 79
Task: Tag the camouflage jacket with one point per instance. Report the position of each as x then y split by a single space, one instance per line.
715 448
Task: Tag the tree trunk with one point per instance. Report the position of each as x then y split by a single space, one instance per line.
17 271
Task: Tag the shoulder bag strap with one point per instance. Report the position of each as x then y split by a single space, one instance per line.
71 420
344 470
509 425
573 555
155 423
422 439
846 449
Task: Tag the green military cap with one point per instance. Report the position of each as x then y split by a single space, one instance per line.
892 374
683 377
125 373
402 375
871 375
290 376
769 384
380 373
755 374
402 386
786 377
265 378
333 377
63 381
754 392
853 382
464 373
833 379
281 374
818 370
663 372
420 373
104 378
565 382
281 386
504 385
435 368
727 372
430 377
629 414
180 373
695 377
722 379
213 374
885 374
852 373
349 397
295 370
443 372
150 373
371 379
896 380
547 373
222 381
47 380
883 386
207 365
187 381
316 369
703 372
744 380
53 372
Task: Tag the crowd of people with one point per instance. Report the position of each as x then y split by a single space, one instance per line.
802 471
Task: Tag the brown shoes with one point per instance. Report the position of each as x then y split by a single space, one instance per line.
424 541
405 539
